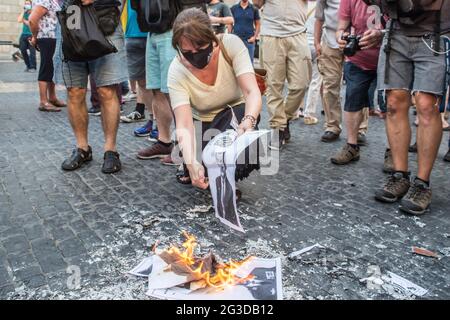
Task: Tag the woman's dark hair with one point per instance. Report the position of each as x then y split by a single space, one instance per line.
193 24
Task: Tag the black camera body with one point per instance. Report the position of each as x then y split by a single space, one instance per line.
352 45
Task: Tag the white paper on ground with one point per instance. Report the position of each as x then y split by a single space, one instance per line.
160 279
407 285
220 156
143 269
302 251
266 285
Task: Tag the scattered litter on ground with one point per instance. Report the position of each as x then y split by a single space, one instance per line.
424 252
300 252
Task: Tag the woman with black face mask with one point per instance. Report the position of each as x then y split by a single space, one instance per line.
210 80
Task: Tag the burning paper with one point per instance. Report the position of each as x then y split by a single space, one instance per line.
220 156
179 274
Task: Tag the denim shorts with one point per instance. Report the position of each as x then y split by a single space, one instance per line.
136 48
412 66
159 56
358 83
107 70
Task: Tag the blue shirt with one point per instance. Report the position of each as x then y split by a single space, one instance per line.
244 20
133 30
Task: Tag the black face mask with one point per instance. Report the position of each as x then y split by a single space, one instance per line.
201 58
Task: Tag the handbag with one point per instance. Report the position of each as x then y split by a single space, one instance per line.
86 41
260 74
155 16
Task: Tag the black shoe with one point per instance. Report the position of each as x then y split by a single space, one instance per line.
447 156
362 139
77 159
112 162
95 111
329 136
287 133
413 148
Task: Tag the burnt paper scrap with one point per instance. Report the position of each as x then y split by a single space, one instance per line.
220 156
265 284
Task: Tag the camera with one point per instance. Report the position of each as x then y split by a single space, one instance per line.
352 45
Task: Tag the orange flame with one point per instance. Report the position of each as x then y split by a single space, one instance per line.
222 275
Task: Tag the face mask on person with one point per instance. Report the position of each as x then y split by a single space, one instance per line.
27 7
201 58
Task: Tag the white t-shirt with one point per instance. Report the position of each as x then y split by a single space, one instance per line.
207 101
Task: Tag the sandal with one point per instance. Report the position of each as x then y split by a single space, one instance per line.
183 177
58 104
48 107
310 120
111 162
77 159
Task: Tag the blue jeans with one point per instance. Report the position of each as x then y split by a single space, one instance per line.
251 49
25 46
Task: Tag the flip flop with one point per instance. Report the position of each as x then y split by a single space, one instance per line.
48 107
58 104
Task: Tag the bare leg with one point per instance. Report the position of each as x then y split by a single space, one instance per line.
352 122
164 115
145 95
110 107
43 88
78 116
398 128
429 133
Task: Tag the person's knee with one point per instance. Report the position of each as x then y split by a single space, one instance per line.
76 95
107 93
397 102
427 108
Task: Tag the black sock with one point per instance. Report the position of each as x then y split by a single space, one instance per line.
165 144
405 174
140 107
426 182
354 146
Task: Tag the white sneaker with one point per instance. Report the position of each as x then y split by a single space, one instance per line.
134 116
129 96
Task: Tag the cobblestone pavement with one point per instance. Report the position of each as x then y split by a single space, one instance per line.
104 225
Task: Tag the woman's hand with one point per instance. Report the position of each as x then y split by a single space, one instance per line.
33 41
197 174
245 126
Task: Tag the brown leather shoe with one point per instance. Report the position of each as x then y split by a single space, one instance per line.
329 136
157 150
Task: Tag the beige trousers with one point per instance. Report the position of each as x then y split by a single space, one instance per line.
286 59
330 64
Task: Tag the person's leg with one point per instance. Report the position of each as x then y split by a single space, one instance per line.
23 47
314 94
364 124
398 128
352 122
32 56
95 101
145 96
299 70
110 115
163 113
275 53
429 133
330 65
78 116
251 50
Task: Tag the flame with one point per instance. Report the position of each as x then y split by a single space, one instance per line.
222 275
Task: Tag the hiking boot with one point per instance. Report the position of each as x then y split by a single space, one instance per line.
447 156
395 188
134 116
388 166
277 139
157 150
362 139
418 198
287 133
329 136
346 155
413 148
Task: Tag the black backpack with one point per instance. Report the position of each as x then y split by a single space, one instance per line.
84 41
157 16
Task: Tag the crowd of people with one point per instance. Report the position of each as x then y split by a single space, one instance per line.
199 74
